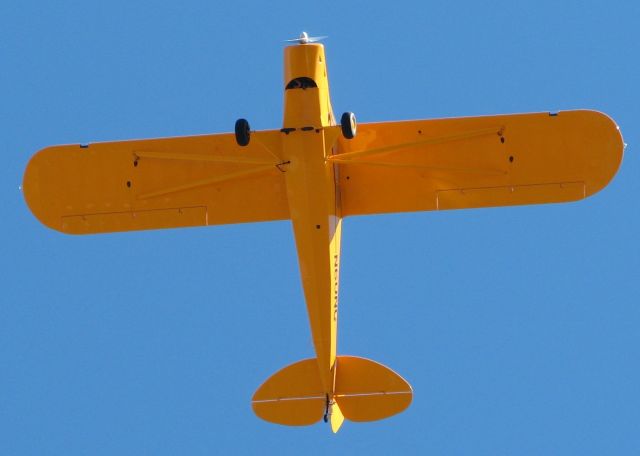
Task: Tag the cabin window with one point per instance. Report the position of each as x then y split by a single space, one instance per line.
301 83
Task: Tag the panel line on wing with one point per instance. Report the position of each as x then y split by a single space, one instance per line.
501 195
514 186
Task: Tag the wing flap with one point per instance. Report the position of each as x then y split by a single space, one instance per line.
510 196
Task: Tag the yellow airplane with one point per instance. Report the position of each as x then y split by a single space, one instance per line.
314 172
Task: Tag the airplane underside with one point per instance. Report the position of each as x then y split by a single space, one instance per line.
316 172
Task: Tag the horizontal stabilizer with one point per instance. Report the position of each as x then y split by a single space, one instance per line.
293 396
364 390
368 391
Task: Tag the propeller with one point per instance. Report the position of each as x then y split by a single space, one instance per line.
304 38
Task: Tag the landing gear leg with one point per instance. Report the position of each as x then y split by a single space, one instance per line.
325 418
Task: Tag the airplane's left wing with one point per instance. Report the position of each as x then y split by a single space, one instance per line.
157 183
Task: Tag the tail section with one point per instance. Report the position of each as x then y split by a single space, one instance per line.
363 391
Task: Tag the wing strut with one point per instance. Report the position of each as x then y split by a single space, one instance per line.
351 157
209 181
201 158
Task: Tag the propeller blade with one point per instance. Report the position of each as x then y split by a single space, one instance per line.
304 38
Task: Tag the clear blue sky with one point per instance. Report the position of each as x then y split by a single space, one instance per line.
517 327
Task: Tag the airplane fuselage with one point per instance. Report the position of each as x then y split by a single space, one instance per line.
314 204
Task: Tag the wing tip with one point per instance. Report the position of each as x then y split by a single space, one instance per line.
613 149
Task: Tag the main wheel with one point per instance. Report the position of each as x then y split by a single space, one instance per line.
243 132
348 124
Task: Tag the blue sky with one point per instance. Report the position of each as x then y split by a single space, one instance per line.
517 327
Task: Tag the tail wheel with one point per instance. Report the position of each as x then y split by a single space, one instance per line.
348 124
243 132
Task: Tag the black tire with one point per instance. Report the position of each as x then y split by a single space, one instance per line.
243 132
348 124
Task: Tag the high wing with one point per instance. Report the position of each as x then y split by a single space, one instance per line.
157 183
473 162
